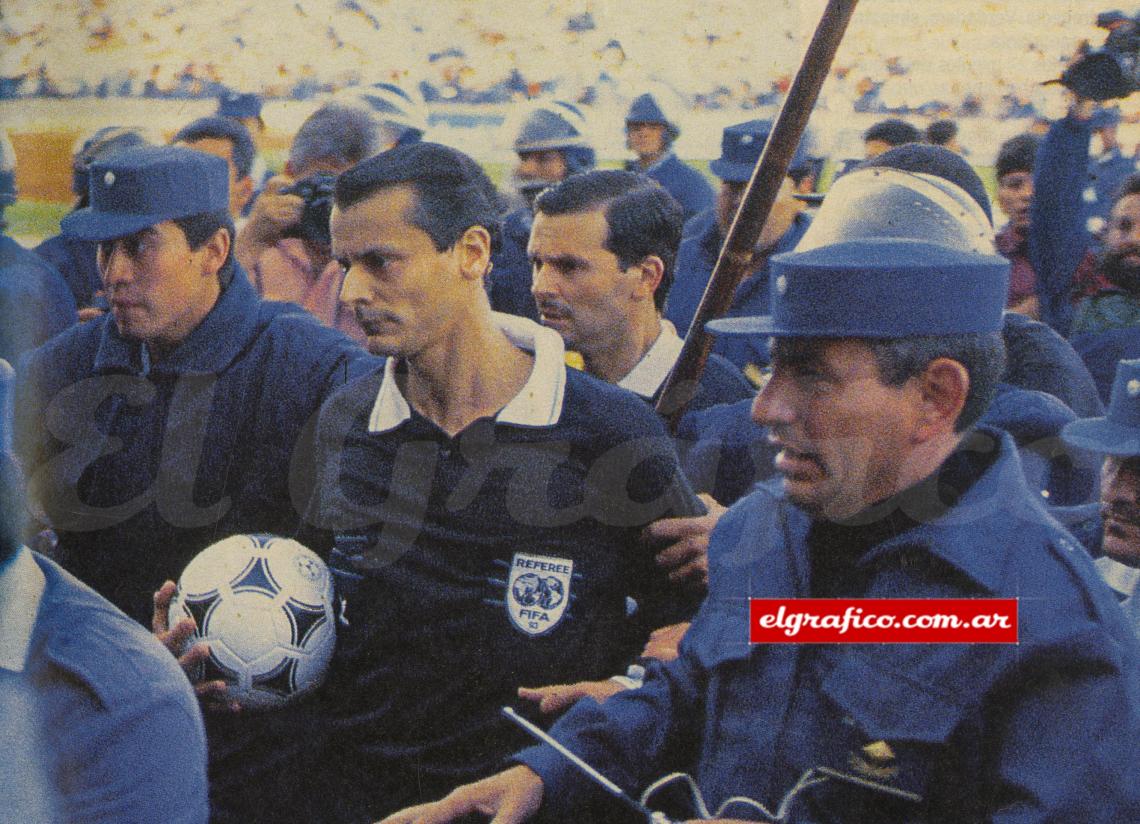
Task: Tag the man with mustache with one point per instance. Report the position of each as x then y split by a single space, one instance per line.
602 251
1117 437
886 350
485 499
1106 327
552 144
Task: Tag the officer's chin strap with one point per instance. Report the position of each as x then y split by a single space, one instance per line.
810 778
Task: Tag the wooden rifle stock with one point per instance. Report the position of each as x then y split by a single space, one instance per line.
735 257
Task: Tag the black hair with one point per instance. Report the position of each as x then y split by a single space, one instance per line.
893 131
642 219
452 191
222 128
982 354
1016 155
201 227
923 158
941 132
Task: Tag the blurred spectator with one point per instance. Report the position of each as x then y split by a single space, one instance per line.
74 258
35 303
944 133
650 133
1014 170
886 134
284 262
551 144
228 139
1107 169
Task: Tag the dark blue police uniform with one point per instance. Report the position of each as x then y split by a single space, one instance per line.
1044 730
689 187
34 301
695 261
471 565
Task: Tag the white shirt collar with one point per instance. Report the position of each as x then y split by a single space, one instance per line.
650 372
538 403
21 588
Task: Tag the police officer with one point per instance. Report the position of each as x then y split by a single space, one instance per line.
74 258
1117 437
552 143
649 134
171 421
740 147
879 372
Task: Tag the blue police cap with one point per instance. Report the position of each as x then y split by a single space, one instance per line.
645 109
891 254
137 188
239 104
740 148
1118 433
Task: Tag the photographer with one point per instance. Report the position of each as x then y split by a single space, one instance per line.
285 246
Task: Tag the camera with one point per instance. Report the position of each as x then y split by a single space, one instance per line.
317 192
1111 71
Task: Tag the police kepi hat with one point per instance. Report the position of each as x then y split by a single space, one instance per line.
239 104
891 254
140 187
1118 433
740 148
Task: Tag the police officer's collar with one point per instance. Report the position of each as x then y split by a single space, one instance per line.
657 164
209 349
21 589
538 403
998 505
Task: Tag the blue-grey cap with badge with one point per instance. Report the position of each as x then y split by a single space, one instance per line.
891 254
740 148
140 187
239 104
1118 432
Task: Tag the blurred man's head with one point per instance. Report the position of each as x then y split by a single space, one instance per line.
100 145
334 138
886 134
244 108
740 148
228 139
1014 170
1120 257
944 133
551 144
649 129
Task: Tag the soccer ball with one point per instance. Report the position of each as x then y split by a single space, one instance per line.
265 606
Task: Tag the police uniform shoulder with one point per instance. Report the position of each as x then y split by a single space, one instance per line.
114 657
68 355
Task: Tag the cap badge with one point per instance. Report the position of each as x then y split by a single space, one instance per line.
109 178
1133 387
745 139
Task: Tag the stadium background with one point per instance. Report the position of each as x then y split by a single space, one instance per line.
67 68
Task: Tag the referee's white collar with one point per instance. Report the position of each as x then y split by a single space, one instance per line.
21 588
538 403
1122 579
650 372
